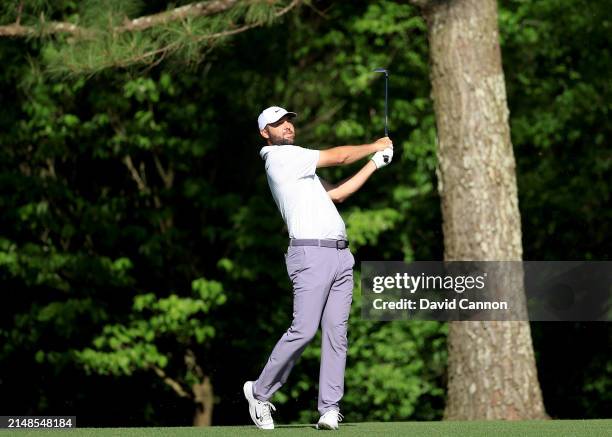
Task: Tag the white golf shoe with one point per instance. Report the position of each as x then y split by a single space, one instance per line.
261 412
330 420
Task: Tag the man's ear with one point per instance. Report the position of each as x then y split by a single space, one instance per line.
264 133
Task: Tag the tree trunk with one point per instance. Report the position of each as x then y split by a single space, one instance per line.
203 398
492 373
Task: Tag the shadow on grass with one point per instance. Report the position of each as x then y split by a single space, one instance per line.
344 425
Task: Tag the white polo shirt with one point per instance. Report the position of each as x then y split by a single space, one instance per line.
305 206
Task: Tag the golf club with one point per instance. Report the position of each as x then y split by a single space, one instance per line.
382 70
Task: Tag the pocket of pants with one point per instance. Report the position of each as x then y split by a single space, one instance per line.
294 259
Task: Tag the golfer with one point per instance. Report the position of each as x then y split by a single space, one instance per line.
318 260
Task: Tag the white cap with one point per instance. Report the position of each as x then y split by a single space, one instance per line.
272 115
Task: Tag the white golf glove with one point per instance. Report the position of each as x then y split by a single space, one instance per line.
383 157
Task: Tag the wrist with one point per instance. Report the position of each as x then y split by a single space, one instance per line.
372 148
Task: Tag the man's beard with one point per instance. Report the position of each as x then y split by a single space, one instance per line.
280 141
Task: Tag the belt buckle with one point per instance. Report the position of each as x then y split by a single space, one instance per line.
343 244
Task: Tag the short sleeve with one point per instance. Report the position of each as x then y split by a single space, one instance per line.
302 162
284 163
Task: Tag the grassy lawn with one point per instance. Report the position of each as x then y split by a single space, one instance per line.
553 428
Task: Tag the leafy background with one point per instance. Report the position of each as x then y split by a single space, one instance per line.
137 230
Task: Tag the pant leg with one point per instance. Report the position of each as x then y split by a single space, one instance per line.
312 271
334 342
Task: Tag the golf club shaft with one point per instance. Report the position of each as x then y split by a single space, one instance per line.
383 70
386 104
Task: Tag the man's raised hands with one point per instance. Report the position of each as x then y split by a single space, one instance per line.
383 157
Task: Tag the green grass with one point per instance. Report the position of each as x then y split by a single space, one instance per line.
536 428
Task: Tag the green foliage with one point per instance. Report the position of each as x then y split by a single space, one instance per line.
364 227
89 249
101 42
560 101
122 349
137 227
556 64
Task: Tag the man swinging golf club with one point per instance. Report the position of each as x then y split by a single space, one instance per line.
318 260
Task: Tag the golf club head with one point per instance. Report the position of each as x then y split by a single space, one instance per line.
381 70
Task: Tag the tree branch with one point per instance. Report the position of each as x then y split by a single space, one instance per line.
192 364
176 386
142 185
167 176
17 30
19 10
199 9
167 49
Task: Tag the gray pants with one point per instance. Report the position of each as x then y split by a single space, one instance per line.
322 293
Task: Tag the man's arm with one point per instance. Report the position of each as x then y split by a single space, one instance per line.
341 191
343 155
